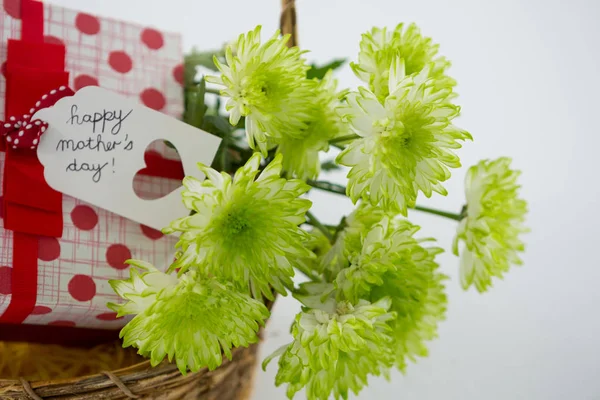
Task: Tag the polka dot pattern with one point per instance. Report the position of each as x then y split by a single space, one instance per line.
153 99
48 248
178 74
110 316
83 80
151 233
12 8
87 24
41 310
5 280
84 217
82 288
116 255
152 38
120 61
53 40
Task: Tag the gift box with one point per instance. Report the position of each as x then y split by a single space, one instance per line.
57 253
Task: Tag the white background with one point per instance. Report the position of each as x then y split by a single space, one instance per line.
528 74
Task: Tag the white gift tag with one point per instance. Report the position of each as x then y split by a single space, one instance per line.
95 144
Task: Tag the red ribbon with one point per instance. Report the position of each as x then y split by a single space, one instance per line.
31 207
23 132
25 138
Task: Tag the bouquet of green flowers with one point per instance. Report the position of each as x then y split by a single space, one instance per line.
374 294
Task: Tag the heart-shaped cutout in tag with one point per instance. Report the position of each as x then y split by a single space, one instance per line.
162 174
95 145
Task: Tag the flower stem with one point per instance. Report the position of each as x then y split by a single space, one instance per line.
341 138
450 215
339 189
328 187
317 224
224 152
308 273
213 91
339 228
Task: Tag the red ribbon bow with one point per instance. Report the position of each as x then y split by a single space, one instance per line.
23 132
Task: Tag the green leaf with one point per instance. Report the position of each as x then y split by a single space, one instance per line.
216 124
329 166
195 109
219 125
320 71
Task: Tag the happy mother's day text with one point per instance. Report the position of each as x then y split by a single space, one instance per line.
105 138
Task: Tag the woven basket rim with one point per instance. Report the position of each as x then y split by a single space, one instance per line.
132 376
140 371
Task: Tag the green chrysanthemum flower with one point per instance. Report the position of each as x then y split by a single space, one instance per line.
348 240
495 219
140 290
267 85
393 264
379 48
333 353
301 150
193 322
246 229
406 143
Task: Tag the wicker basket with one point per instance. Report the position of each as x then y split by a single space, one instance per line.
231 381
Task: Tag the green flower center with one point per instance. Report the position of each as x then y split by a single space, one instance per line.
234 225
263 89
254 90
393 132
343 308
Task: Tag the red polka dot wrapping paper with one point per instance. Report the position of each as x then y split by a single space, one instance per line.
73 271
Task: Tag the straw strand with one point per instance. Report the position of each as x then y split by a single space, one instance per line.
115 379
28 389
